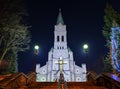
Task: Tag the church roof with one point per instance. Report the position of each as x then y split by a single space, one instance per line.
60 18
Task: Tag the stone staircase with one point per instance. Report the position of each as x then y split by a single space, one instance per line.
87 87
70 85
43 85
83 85
22 81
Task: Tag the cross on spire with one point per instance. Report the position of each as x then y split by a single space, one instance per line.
60 18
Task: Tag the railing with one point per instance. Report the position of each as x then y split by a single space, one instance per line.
59 84
64 84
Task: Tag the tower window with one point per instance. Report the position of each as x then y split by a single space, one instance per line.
57 38
62 38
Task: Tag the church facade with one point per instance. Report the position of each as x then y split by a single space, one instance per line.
60 59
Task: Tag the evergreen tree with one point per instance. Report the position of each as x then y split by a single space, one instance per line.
107 64
111 18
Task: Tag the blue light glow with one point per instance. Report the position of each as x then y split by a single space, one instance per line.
115 44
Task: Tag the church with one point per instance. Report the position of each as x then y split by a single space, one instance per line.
60 59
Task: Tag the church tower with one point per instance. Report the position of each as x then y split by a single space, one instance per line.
60 33
60 38
60 59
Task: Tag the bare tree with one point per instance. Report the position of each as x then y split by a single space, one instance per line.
14 34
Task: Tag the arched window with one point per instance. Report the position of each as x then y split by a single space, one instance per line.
58 38
62 38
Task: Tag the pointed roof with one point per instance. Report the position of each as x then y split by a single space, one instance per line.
60 19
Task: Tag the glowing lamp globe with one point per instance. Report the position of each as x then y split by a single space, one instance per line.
36 47
85 46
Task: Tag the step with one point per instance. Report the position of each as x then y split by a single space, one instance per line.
86 87
54 85
79 84
73 87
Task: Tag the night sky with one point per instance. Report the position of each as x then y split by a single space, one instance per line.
84 21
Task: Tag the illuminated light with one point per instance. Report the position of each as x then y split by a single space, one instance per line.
85 46
36 47
61 58
115 48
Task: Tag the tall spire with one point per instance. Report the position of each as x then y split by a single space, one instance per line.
60 19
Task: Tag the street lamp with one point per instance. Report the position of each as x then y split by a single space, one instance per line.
36 47
36 51
85 47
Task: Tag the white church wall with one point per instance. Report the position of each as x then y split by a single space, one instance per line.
37 67
60 53
49 65
60 27
50 55
55 65
71 64
41 78
84 68
70 55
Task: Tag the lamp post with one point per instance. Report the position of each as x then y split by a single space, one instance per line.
85 49
36 51
36 47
